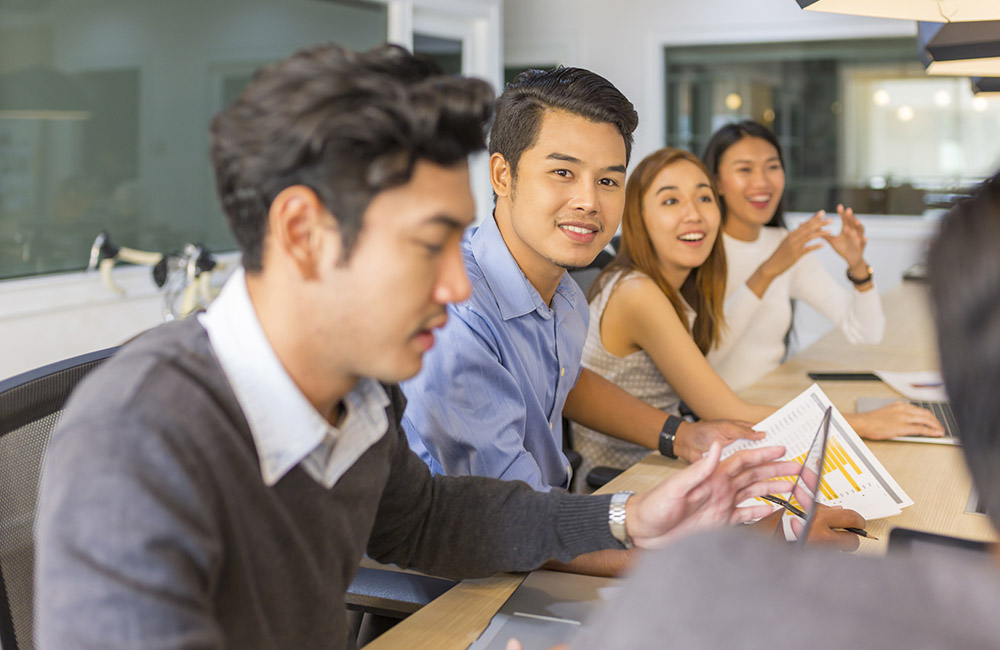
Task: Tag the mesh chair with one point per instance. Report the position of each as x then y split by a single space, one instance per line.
30 406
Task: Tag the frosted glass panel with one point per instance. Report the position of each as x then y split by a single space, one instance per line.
104 113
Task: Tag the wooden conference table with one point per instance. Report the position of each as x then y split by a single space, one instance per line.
934 476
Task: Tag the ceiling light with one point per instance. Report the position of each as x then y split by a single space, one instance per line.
986 86
942 98
733 101
881 97
930 10
960 49
905 113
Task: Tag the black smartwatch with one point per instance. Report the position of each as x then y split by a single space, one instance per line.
668 434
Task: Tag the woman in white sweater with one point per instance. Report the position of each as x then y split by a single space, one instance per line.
658 307
768 266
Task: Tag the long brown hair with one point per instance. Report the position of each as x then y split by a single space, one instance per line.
705 288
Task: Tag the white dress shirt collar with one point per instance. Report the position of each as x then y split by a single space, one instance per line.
287 430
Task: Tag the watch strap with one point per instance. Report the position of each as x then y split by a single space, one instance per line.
668 434
864 280
616 517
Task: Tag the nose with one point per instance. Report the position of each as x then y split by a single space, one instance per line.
584 196
759 179
452 282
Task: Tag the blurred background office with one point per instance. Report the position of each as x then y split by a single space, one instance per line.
104 107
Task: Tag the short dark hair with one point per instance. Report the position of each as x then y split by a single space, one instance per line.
729 135
964 270
520 107
348 125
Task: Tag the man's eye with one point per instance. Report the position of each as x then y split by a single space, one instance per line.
433 249
561 172
609 182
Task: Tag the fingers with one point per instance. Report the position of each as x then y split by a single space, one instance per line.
749 513
513 644
736 429
827 519
741 460
904 419
760 488
696 474
839 539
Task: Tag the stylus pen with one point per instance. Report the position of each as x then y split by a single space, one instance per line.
798 513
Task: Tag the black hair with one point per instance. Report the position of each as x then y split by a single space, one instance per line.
346 124
964 271
520 107
729 135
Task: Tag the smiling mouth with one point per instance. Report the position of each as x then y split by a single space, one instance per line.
581 230
759 202
692 236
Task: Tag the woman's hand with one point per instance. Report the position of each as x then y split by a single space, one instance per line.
896 419
850 243
796 244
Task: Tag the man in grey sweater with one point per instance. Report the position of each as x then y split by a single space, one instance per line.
217 482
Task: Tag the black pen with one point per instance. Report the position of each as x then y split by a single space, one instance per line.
798 513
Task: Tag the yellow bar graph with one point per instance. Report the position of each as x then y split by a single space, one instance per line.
837 460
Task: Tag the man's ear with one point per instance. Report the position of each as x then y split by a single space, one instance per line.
501 175
300 227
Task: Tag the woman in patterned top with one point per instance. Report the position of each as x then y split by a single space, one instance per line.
657 309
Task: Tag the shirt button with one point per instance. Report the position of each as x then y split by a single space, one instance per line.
550 425
562 371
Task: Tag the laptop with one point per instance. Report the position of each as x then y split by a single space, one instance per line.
941 410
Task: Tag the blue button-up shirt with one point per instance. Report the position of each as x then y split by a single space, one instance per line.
489 399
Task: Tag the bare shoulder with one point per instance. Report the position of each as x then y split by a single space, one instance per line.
638 296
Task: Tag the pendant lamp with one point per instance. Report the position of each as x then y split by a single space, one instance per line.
927 10
960 49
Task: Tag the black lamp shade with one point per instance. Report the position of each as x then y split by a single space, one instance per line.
926 10
961 49
989 85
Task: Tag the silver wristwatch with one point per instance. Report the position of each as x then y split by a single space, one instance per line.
616 517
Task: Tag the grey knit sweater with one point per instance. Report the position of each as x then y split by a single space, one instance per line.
155 529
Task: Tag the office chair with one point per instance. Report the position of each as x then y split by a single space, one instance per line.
380 596
30 405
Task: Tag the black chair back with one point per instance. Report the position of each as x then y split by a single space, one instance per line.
30 405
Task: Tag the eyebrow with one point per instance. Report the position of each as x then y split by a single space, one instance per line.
446 220
674 187
748 161
576 161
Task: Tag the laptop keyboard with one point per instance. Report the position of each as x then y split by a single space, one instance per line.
942 411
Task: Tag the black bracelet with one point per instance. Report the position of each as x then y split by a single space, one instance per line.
668 434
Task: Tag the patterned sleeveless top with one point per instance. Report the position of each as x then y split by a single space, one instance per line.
635 373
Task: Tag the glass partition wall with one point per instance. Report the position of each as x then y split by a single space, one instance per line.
860 121
104 113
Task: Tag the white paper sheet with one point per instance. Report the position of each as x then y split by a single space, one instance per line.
924 385
852 476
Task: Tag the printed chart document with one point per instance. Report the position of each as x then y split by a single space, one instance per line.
852 475
547 609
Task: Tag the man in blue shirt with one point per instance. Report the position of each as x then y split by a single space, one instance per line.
506 368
